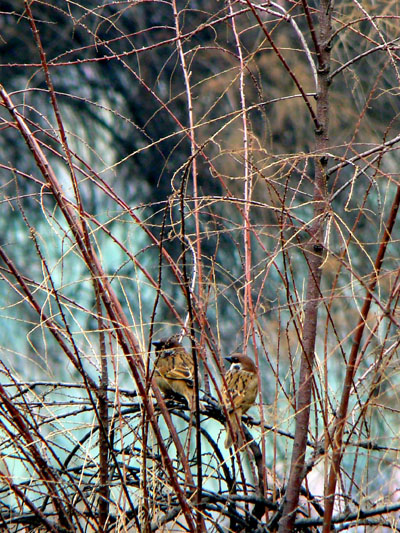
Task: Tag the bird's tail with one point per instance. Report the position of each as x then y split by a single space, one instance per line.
234 429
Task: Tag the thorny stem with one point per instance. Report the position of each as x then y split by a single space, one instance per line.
188 294
193 148
126 339
104 490
248 311
49 477
198 264
314 117
337 436
56 109
247 192
314 258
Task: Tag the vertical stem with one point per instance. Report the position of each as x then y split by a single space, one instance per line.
47 475
188 294
102 396
314 259
193 150
338 430
248 310
126 338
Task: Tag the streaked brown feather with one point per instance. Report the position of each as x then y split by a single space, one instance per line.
174 369
242 384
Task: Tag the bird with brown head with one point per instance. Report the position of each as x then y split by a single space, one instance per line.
174 369
239 395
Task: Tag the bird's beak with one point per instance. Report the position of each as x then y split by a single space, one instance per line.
157 344
229 358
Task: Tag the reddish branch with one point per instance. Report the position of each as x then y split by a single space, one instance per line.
104 488
50 324
37 513
314 260
314 117
337 434
114 309
47 474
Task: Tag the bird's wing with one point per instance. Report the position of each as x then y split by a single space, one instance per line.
179 373
180 366
237 386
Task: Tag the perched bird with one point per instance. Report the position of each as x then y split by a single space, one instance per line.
174 369
242 388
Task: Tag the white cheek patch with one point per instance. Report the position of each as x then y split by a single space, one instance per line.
236 367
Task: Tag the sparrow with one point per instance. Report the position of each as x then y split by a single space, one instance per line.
174 369
242 388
